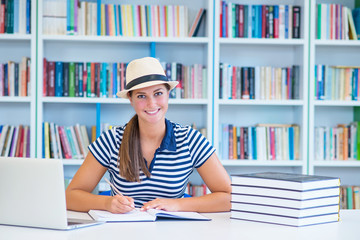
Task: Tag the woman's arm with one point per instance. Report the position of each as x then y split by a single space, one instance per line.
218 182
79 196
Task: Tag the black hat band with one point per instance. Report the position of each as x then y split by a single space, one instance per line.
147 78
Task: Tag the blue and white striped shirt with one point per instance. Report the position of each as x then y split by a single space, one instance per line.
181 150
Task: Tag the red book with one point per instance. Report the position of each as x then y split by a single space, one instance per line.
276 22
263 20
18 143
221 16
45 78
2 16
85 79
92 77
233 88
51 79
64 143
242 143
231 142
241 21
139 20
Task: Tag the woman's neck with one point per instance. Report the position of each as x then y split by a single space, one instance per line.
153 132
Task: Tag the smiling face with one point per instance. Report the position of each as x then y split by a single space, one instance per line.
150 103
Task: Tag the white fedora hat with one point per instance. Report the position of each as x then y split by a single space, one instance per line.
144 72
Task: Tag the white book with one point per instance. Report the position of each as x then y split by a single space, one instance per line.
58 141
53 140
289 221
85 137
76 144
8 141
144 216
285 202
14 141
22 16
284 211
281 21
3 136
78 134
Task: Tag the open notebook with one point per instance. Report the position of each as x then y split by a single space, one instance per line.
142 216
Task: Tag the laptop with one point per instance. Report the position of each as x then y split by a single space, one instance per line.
32 194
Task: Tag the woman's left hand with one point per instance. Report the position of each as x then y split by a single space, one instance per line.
171 205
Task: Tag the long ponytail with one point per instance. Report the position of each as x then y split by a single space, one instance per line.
130 158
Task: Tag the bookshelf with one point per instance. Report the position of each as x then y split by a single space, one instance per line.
16 110
209 113
330 113
84 48
252 52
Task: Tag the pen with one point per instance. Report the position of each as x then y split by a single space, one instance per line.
113 187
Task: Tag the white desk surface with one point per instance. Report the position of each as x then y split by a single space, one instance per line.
220 228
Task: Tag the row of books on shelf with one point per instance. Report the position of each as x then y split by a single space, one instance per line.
341 142
259 21
14 141
15 16
63 142
91 79
349 197
196 190
337 82
260 142
285 198
335 21
15 78
259 82
87 18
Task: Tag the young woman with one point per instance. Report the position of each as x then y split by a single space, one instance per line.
150 159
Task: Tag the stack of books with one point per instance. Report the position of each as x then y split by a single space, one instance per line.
286 199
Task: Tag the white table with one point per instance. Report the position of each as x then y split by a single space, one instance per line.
220 228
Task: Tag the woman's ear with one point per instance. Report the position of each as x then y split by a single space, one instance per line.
129 97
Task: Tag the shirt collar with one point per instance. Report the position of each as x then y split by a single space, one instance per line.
169 141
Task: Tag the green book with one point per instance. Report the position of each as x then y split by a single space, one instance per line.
349 195
71 79
358 142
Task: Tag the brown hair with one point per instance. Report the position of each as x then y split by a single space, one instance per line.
130 159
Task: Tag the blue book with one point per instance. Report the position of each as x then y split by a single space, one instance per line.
71 142
224 14
291 143
98 19
253 133
148 11
253 21
107 33
6 82
356 17
120 23
115 20
259 19
286 21
16 16
103 80
28 16
59 79
114 79
355 79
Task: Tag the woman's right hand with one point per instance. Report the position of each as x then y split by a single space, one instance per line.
120 204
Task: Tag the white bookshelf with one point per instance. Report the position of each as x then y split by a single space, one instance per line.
251 52
330 113
185 50
21 110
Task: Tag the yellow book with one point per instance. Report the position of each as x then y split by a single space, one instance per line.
47 139
234 143
93 133
103 27
352 30
123 22
129 20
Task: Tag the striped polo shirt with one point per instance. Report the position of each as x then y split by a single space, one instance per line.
182 149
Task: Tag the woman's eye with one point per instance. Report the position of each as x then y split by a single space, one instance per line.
158 93
140 96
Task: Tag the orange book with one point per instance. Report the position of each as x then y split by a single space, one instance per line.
345 143
234 143
21 132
